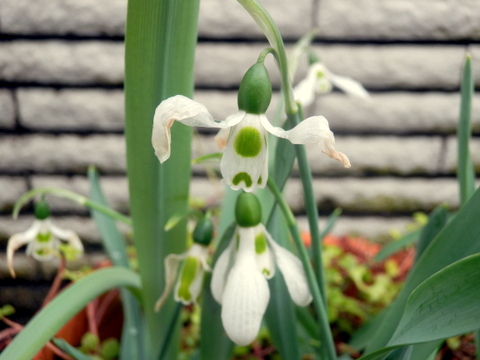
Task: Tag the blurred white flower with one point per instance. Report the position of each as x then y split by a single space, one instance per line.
320 80
43 241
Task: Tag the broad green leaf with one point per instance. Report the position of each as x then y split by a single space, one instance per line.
444 305
133 342
402 353
457 240
46 323
465 172
160 42
425 351
436 222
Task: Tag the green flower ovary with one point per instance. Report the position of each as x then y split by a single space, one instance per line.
187 276
248 142
248 211
255 90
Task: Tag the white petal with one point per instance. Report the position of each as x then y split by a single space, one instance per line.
304 91
220 271
171 263
293 274
246 172
18 240
315 82
246 294
222 138
182 109
314 130
349 86
67 235
201 253
45 250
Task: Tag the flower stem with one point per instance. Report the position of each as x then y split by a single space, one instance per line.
294 115
318 301
57 282
310 208
269 28
70 195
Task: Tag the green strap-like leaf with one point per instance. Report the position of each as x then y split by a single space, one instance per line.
214 342
70 350
133 342
51 318
465 173
160 43
280 314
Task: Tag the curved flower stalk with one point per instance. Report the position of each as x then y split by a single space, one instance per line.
320 80
42 238
243 135
239 280
189 284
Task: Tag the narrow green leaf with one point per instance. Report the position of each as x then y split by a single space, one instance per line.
465 173
397 245
331 221
280 314
46 323
458 239
133 344
214 342
70 350
112 239
160 44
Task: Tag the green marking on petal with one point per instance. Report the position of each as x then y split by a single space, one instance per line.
260 243
43 238
259 180
187 276
248 142
243 176
266 272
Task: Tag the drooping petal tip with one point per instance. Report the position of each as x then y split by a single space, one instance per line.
329 149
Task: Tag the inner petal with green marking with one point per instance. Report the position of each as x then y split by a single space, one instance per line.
43 238
187 276
243 176
248 142
260 243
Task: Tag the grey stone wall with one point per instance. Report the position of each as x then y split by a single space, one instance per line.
61 103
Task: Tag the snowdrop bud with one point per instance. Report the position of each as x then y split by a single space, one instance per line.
203 232
255 90
42 211
248 211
